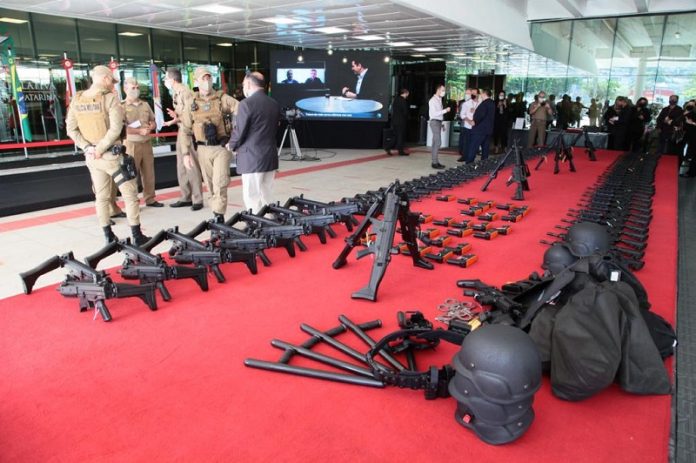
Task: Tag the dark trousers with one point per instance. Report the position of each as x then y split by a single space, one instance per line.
464 136
476 141
400 134
500 133
667 145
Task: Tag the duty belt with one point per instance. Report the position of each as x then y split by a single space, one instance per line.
221 142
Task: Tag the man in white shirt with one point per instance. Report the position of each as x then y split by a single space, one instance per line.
466 114
435 113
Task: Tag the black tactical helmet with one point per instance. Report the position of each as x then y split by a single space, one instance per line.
557 258
587 239
498 370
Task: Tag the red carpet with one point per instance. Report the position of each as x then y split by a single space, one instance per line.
171 386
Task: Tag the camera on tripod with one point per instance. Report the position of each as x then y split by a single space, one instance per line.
290 114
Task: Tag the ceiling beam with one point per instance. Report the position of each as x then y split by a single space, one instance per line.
574 7
642 6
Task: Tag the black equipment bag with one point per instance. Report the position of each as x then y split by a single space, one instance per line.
388 138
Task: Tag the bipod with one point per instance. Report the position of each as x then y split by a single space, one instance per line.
494 173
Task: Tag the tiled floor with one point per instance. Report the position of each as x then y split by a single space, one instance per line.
24 244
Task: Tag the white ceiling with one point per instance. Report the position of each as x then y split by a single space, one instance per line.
471 27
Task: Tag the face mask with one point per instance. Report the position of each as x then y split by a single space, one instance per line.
542 100
168 84
474 97
672 102
467 97
204 85
501 97
133 93
442 94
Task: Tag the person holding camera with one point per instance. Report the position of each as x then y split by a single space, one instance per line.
95 124
207 118
140 121
254 140
539 112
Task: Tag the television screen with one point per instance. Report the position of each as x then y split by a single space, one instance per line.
323 86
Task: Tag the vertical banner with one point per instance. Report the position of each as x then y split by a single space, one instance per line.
189 74
54 105
18 96
113 65
70 89
222 85
155 78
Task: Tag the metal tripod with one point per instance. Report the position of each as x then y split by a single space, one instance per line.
295 150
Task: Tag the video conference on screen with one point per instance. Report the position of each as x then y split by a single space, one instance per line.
315 86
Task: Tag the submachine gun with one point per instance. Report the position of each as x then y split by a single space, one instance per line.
141 265
394 206
520 172
284 235
234 244
342 210
92 287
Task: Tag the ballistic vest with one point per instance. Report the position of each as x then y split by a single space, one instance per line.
207 110
92 115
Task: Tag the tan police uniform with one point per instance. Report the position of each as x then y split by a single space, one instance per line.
213 156
95 117
139 113
190 180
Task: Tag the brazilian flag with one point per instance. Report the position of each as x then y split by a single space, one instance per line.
18 96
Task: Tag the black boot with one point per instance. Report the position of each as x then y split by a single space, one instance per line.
219 218
138 238
109 235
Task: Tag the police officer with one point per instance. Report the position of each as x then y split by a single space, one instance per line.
208 119
95 123
140 121
190 181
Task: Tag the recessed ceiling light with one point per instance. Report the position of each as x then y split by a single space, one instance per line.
331 30
400 44
459 53
418 56
425 49
436 59
224 44
5 19
130 34
281 20
369 37
217 8
93 39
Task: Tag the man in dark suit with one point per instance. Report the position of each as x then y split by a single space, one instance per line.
254 140
482 128
363 87
399 120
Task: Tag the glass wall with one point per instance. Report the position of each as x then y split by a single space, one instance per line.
638 56
40 43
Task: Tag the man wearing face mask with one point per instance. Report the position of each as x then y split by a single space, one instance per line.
190 179
500 123
140 121
207 118
254 140
466 115
667 121
539 111
435 113
95 124
638 119
482 127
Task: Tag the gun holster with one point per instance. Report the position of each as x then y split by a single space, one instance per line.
210 131
127 170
